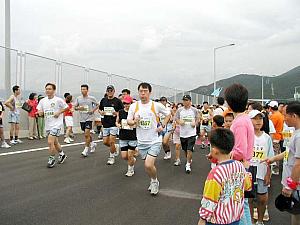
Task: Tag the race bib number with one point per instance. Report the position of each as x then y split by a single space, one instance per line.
109 111
85 109
125 125
49 114
258 154
146 123
287 134
205 116
188 119
286 155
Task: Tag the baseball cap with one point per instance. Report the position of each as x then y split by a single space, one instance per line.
110 87
288 204
127 99
254 113
273 104
186 97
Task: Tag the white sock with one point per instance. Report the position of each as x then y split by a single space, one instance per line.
154 180
188 164
62 152
111 155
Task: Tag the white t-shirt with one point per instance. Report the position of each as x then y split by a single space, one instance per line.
219 111
50 107
263 149
146 130
189 116
271 127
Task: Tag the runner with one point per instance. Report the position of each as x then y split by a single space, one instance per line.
109 108
144 114
127 136
86 105
3 142
187 117
68 115
167 132
176 137
14 104
53 108
205 128
220 107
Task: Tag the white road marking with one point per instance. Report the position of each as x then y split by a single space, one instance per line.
179 194
43 148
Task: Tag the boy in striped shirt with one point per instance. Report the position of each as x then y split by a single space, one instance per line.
223 195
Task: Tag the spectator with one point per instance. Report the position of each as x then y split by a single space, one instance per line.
2 139
41 122
32 116
68 114
14 105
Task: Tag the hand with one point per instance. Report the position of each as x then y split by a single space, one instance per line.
102 113
56 115
136 119
181 122
201 222
287 192
115 113
268 161
267 180
159 129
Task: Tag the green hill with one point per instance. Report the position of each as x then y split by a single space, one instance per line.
280 87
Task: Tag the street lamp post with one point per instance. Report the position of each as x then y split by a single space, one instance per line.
262 89
215 75
7 48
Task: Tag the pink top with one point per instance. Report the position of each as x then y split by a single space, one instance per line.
33 103
243 131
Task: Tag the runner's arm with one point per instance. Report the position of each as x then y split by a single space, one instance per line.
131 120
118 120
296 168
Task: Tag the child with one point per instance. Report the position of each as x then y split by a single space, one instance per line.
223 195
218 122
291 157
237 98
68 114
228 119
263 148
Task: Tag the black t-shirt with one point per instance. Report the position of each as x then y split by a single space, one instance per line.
106 105
126 134
205 114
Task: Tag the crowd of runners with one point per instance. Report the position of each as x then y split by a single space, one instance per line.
248 142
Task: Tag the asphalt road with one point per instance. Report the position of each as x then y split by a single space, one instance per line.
85 191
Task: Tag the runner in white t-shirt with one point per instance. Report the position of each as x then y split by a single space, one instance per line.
53 108
144 114
187 117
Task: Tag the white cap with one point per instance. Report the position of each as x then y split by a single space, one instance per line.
254 113
273 104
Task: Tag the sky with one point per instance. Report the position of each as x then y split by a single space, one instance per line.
165 42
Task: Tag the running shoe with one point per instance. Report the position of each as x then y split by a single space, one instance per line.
71 140
130 172
13 142
111 161
266 216
167 156
67 141
62 158
30 138
177 162
51 162
85 152
5 145
155 188
93 147
18 141
188 168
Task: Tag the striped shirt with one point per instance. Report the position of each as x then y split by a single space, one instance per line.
223 195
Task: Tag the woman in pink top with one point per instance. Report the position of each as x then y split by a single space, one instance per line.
237 98
32 101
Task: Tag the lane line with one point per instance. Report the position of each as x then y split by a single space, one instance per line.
43 148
